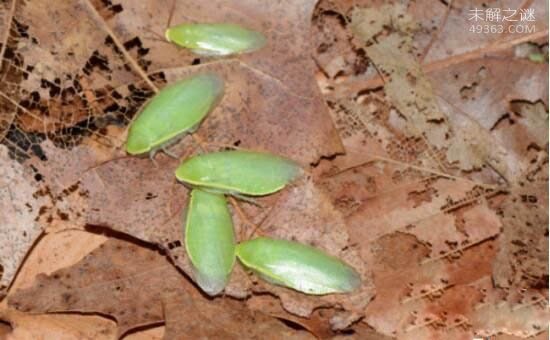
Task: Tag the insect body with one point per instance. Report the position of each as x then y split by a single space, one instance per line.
297 266
175 110
209 240
240 172
215 39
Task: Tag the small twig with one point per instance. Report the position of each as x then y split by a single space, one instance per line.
200 142
436 34
243 217
7 32
171 15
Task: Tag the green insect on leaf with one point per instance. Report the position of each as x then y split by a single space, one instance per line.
209 240
297 266
215 39
174 111
238 172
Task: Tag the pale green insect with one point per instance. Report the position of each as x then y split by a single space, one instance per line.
238 172
294 265
215 39
174 111
210 240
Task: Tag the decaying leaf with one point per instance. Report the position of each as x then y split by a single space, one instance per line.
58 326
523 255
429 239
102 78
409 90
138 286
101 281
439 201
220 319
55 251
265 98
20 209
520 313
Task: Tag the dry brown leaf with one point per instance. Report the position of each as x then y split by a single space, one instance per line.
431 300
52 252
271 103
5 329
410 91
138 287
523 253
447 27
426 236
317 323
220 319
402 199
62 327
416 292
541 336
523 131
456 136
270 93
107 281
20 209
155 333
520 313
415 216
479 97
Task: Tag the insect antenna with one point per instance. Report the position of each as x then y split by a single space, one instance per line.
172 10
104 162
158 36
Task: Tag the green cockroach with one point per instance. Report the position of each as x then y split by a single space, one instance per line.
209 240
174 111
297 266
215 39
238 172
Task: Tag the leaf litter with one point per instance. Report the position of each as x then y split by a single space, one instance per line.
152 291
20 209
418 160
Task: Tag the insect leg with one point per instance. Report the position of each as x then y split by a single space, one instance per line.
152 154
246 199
169 153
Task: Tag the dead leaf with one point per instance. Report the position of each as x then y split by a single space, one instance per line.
20 209
138 287
410 91
432 232
270 93
454 132
439 193
220 319
522 259
101 281
62 327
54 251
499 313
317 323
